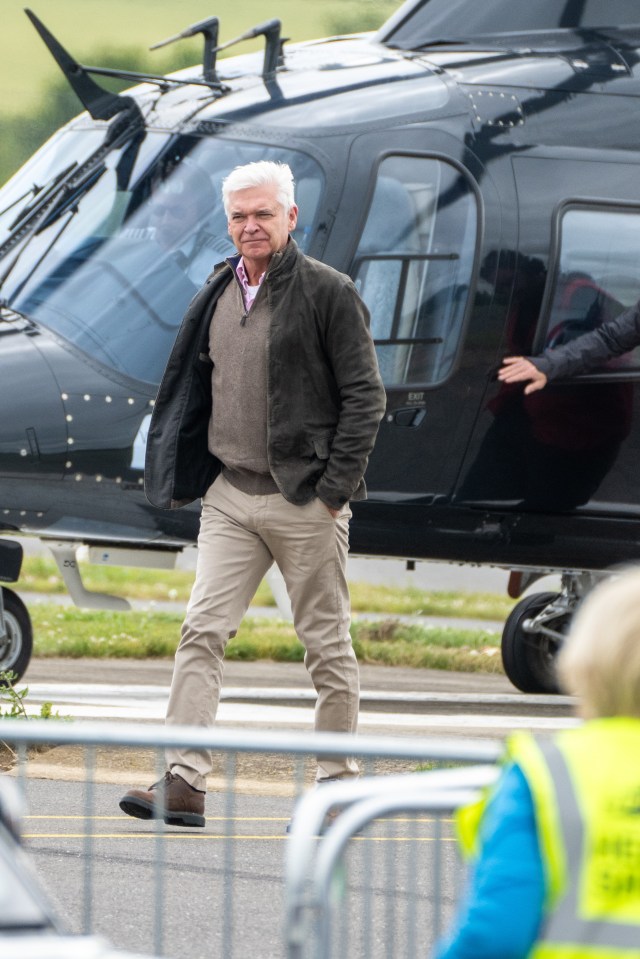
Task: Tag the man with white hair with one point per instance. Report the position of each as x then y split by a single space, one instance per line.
268 411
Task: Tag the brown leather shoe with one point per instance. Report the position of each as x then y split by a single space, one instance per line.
183 805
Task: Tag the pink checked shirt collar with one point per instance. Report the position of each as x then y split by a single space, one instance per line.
248 294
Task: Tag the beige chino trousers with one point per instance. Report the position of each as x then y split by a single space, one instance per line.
240 536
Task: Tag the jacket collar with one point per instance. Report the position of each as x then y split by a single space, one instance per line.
283 259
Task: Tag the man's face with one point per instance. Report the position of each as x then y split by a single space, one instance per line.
258 225
173 218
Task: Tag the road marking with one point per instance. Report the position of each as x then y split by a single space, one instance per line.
93 701
155 831
220 836
54 818
146 835
209 818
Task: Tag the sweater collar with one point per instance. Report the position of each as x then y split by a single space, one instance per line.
277 261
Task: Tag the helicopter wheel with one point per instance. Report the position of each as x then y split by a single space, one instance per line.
528 656
17 643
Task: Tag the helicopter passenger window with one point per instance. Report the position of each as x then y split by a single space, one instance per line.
413 266
114 263
428 22
597 276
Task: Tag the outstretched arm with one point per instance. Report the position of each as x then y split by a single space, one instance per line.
580 355
518 369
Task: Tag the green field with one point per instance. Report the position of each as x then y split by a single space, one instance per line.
89 27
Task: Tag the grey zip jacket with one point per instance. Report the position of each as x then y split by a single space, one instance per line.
325 398
611 339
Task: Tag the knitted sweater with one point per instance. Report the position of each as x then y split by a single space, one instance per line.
238 423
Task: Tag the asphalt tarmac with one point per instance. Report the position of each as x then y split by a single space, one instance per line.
221 891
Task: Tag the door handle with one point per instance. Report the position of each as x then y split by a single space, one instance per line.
409 417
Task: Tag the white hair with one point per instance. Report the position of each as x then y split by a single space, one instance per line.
600 659
260 173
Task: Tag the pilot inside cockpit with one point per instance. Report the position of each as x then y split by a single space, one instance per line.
179 216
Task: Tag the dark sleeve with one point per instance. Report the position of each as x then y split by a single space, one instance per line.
501 912
361 394
590 350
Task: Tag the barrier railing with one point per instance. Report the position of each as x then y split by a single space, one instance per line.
317 870
219 891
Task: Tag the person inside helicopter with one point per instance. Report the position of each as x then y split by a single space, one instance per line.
179 214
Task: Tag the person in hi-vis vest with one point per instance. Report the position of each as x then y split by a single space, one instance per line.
555 846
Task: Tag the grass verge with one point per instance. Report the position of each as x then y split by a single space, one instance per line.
41 575
66 631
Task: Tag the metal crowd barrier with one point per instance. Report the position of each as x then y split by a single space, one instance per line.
225 892
337 904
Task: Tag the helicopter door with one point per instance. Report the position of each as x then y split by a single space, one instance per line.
414 267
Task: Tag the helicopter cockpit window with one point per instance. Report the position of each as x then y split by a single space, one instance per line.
51 161
597 276
112 268
413 267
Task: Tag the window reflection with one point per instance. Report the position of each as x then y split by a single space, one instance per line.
414 264
113 271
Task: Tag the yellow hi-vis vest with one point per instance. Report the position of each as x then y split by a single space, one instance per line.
585 785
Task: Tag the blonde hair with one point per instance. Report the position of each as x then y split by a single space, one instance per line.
600 660
260 173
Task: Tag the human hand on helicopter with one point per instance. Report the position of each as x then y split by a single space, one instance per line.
518 369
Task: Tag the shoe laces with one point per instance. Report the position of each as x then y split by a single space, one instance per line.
166 780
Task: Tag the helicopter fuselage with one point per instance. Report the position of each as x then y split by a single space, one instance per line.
485 198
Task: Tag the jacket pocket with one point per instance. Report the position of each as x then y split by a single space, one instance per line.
322 445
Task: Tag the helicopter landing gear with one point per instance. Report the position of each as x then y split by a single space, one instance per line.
534 632
16 634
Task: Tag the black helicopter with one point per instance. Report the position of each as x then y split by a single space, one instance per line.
474 167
